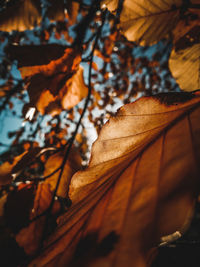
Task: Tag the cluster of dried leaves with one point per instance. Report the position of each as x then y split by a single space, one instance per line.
140 187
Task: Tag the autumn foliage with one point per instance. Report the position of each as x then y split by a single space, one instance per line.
127 72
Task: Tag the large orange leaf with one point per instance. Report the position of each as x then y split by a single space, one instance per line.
140 186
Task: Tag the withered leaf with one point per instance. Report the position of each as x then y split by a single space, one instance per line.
184 66
67 63
6 169
185 25
30 237
25 14
33 55
18 206
57 85
147 22
75 89
141 184
10 169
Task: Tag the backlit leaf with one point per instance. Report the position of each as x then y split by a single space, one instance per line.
57 85
147 22
76 90
185 25
184 66
26 14
140 186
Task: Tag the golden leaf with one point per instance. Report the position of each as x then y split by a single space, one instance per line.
147 22
76 90
141 185
184 66
26 14
185 24
184 59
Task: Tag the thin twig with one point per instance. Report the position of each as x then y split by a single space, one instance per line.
75 132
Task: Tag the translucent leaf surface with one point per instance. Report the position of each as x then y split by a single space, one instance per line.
184 65
147 22
140 185
26 14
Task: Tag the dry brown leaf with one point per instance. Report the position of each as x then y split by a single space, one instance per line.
34 55
30 237
72 165
185 24
67 63
57 85
184 60
17 207
184 66
147 22
6 169
6 172
25 14
141 185
75 89
20 15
